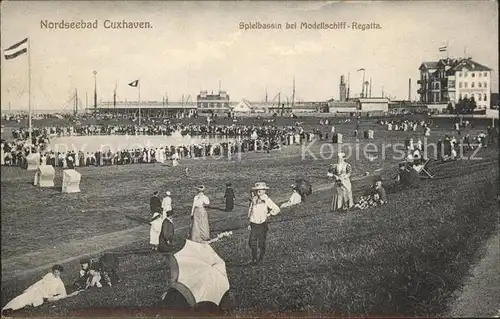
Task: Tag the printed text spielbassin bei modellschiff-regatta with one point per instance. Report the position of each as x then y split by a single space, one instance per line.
310 26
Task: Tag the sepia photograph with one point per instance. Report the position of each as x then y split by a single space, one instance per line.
250 159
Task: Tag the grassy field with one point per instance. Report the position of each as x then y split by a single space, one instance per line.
406 258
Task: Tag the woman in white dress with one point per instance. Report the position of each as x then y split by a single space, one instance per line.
155 230
161 155
200 230
50 288
342 189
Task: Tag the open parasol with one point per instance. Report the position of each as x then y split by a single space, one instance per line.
198 273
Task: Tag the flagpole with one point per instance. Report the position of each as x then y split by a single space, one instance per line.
114 99
29 95
447 50
139 99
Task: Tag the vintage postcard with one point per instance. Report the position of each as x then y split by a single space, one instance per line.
249 158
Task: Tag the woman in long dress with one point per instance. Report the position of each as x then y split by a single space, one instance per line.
155 230
342 190
200 230
50 288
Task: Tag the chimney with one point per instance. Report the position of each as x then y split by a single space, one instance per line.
409 89
342 89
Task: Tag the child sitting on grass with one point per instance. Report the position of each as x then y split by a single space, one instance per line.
377 197
81 283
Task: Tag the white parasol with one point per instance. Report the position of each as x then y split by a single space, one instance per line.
200 270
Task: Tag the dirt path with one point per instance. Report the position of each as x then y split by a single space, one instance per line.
32 262
480 296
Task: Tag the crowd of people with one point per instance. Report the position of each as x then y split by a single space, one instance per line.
404 125
243 139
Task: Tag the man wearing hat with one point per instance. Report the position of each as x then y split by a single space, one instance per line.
155 203
166 205
261 207
229 197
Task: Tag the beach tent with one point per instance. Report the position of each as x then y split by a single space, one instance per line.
197 275
45 175
71 181
32 162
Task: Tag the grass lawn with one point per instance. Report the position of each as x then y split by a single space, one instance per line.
406 258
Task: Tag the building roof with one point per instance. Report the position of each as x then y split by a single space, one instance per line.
429 65
470 65
454 64
243 106
448 62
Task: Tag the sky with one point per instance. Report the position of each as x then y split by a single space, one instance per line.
191 46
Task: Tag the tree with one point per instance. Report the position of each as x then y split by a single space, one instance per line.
450 108
465 106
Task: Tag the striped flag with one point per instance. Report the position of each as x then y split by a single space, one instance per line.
134 84
16 50
443 49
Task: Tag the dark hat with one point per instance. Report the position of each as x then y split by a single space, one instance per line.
58 267
228 184
84 261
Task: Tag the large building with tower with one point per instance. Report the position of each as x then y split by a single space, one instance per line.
450 80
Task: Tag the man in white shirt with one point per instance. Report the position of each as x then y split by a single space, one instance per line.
260 208
166 204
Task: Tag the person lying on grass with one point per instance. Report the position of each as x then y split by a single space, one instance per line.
294 199
377 197
49 288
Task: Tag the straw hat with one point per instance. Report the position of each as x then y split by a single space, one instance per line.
260 186
168 193
200 188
